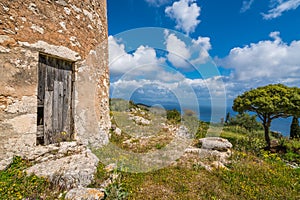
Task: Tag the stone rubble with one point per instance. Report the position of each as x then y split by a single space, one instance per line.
138 116
140 120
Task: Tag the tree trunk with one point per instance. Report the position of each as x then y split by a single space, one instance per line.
267 136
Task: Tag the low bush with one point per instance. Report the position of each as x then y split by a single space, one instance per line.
173 116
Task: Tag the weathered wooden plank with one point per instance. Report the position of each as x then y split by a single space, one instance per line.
48 126
70 100
55 110
49 78
67 101
60 106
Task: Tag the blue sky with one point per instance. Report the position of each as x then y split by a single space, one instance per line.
209 50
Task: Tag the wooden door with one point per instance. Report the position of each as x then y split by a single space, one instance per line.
55 88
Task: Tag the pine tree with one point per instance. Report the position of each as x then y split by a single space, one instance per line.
295 129
227 118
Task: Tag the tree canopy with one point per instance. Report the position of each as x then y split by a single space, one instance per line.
269 102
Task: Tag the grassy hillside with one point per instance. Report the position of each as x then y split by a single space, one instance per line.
252 172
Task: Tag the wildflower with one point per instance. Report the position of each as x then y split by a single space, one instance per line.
63 133
244 154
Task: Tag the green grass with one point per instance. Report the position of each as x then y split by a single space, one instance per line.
16 184
252 178
251 143
129 127
252 174
169 183
248 177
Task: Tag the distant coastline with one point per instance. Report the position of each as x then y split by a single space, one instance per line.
281 125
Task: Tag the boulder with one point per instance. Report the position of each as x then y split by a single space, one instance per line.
68 172
215 152
208 153
39 154
215 143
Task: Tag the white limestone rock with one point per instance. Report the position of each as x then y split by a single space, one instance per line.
68 172
118 131
215 143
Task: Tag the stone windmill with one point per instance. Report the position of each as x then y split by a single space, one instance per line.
54 77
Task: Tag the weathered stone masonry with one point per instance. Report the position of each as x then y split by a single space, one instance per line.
65 30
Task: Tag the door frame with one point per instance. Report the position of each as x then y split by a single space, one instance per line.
41 105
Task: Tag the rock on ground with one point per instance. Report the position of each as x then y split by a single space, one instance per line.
215 143
70 171
118 131
5 163
183 132
85 194
40 154
67 165
140 120
214 153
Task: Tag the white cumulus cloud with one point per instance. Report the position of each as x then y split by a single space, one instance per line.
144 74
185 13
179 53
210 89
182 55
269 60
281 6
144 59
201 45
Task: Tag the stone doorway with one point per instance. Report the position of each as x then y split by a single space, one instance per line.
55 122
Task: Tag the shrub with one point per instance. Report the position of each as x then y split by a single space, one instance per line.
173 116
246 121
202 129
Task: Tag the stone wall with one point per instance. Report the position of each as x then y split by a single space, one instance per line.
67 29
